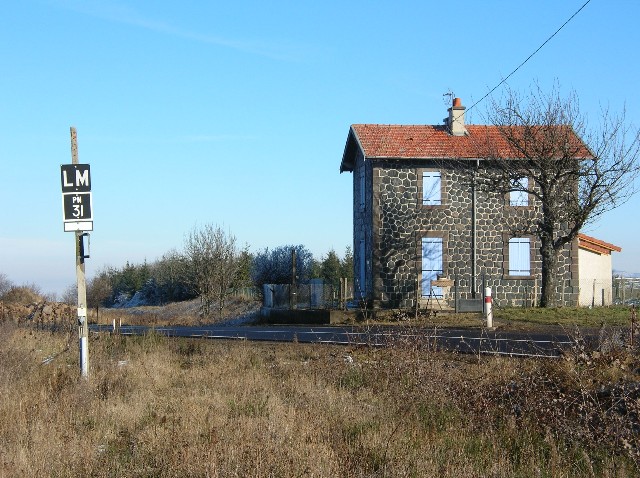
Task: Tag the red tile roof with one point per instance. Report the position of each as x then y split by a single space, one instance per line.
430 141
419 141
596 245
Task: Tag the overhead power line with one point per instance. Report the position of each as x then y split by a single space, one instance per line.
530 56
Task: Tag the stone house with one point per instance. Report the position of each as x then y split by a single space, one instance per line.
418 216
595 271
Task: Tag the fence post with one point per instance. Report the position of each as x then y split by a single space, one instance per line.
633 322
417 298
484 287
455 292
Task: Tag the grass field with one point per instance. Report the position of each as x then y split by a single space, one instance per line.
157 407
512 318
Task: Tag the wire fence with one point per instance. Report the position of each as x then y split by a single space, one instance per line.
249 293
315 295
468 290
595 293
626 291
465 295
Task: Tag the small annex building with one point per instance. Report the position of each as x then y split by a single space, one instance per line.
595 271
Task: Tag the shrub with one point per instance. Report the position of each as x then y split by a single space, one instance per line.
25 294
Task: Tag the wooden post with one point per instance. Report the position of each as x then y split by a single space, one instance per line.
292 290
633 322
417 296
83 324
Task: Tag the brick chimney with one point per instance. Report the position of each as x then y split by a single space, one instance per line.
456 118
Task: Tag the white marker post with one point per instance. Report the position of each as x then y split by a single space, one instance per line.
487 307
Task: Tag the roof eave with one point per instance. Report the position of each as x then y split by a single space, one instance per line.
348 155
596 245
351 148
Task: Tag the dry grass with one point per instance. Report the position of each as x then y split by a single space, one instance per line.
178 313
161 407
511 318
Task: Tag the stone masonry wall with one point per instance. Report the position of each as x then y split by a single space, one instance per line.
399 221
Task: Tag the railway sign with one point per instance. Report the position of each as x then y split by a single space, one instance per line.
77 210
75 178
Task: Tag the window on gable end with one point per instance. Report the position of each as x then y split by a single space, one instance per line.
431 188
361 187
519 196
362 270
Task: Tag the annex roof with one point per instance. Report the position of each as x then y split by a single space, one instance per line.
596 245
380 141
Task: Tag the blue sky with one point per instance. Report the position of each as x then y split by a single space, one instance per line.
236 113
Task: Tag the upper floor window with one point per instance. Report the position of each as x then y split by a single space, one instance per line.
520 195
431 188
520 256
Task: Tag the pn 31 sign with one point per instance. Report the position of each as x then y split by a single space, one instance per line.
76 197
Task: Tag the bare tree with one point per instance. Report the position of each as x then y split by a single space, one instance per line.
574 173
99 289
214 259
273 266
5 284
70 295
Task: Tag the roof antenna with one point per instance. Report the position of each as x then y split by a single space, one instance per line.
450 96
448 102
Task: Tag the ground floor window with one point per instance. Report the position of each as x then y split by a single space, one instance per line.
431 265
362 270
520 256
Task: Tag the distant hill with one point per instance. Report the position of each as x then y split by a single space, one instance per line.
626 274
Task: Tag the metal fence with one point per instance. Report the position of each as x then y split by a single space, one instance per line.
315 295
626 290
507 292
595 292
250 293
461 296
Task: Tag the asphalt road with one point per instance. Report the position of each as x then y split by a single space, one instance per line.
461 340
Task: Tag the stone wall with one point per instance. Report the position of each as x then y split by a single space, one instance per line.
38 313
396 222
